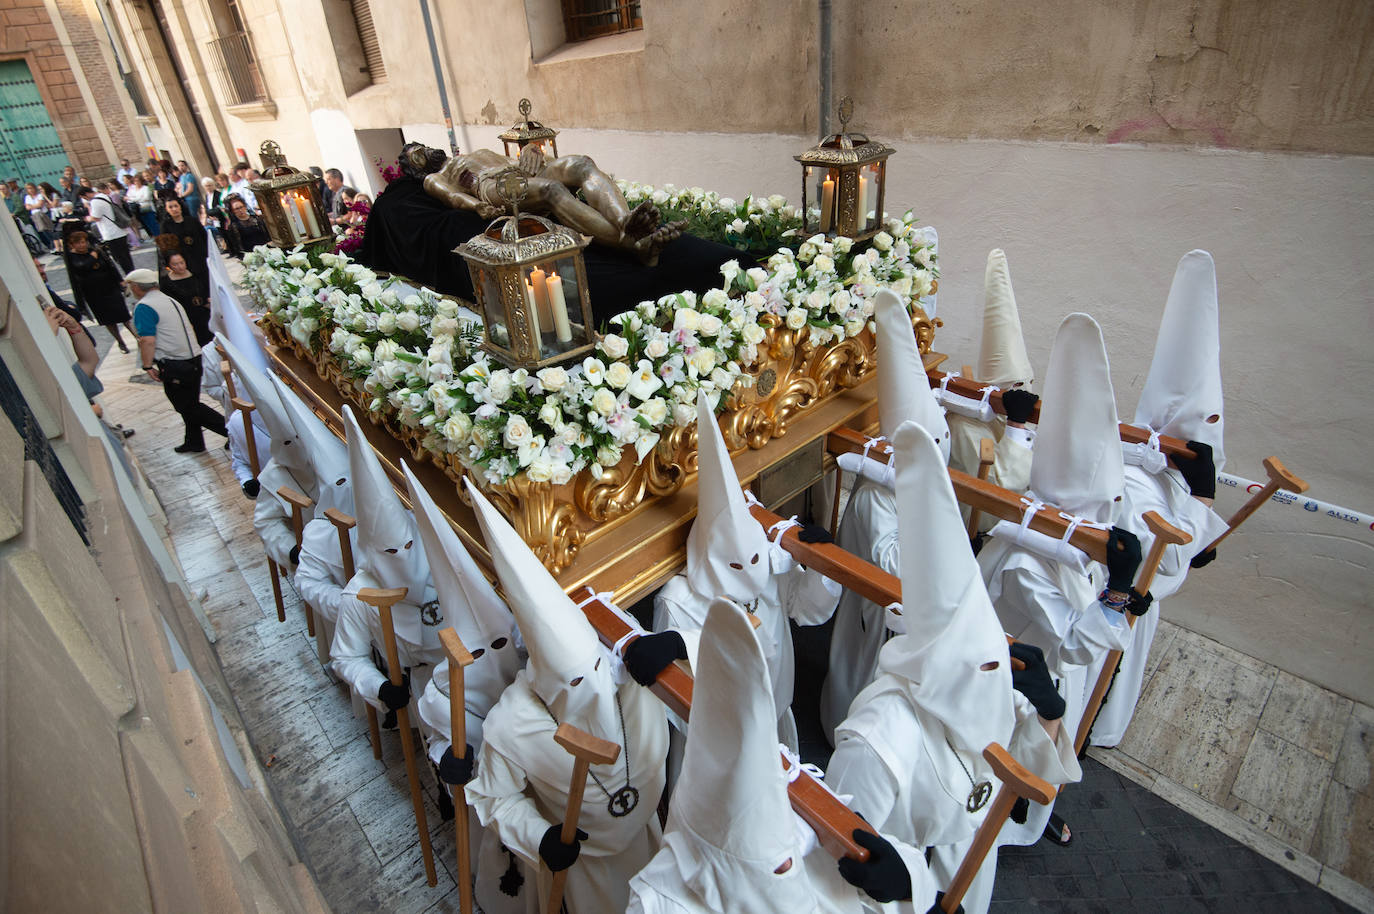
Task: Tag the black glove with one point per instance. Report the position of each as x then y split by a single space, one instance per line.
814 533
883 876
395 697
1200 472
454 770
1203 559
251 488
294 555
1018 404
1139 604
1034 681
939 901
1123 559
649 655
1019 810
556 854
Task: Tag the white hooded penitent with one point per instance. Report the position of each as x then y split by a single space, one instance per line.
903 388
328 455
388 542
730 825
727 550
953 657
1002 358
1182 396
286 451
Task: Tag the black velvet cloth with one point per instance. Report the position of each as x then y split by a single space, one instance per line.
412 234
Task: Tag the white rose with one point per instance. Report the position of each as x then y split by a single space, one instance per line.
362 356
715 298
447 308
499 386
656 348
604 402
686 319
823 264
703 360
443 326
853 328
710 325
882 241
840 301
457 428
796 318
684 414
385 350
388 298
386 323
654 410
817 300
550 415
738 226
728 203
752 334
608 456
552 379
517 432
806 251
539 470
615 346
408 321
843 244
618 375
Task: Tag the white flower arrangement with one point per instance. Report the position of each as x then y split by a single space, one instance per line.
422 364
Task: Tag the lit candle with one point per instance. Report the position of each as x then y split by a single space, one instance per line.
559 304
827 204
539 280
289 212
862 222
533 311
308 212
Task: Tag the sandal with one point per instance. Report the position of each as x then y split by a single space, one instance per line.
1057 831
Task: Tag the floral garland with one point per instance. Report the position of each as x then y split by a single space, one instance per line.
424 366
758 225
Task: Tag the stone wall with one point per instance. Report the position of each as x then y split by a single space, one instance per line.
127 781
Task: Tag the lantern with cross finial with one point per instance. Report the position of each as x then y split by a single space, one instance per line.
289 200
531 286
526 132
844 181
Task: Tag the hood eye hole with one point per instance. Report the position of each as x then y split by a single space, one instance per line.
498 644
597 665
479 652
408 544
895 610
755 559
737 566
392 551
783 867
342 481
577 681
1118 498
990 665
287 441
1213 419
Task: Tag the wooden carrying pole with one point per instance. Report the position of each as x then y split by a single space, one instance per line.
1166 535
1016 782
255 464
383 599
1279 478
343 523
458 658
226 370
299 505
833 822
987 455
586 750
1131 434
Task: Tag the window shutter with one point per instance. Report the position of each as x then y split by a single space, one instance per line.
367 36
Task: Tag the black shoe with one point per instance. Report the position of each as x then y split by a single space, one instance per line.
123 348
190 448
446 810
251 488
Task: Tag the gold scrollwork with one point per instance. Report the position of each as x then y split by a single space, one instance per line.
546 523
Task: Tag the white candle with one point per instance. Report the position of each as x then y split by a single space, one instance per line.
539 280
289 211
827 204
308 211
533 311
863 203
559 304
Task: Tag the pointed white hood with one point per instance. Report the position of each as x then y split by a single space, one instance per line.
730 823
286 450
727 550
469 602
1077 462
904 392
1183 388
389 544
952 633
1002 358
328 455
227 315
568 668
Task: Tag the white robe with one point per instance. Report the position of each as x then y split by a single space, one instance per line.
1168 494
1012 449
359 626
1055 608
799 593
239 461
521 789
272 515
907 780
320 577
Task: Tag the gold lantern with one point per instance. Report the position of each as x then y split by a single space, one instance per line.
527 132
289 201
844 180
531 286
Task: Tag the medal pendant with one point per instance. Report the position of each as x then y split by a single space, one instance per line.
978 797
624 800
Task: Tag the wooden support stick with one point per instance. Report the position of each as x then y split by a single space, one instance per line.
384 599
458 658
299 505
833 822
1279 478
1166 535
343 523
985 496
966 387
987 453
586 750
243 406
226 370
1016 782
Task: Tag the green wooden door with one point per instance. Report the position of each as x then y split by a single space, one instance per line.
29 146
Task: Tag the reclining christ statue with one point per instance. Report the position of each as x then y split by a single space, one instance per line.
471 181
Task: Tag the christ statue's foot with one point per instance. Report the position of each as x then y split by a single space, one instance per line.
642 220
648 248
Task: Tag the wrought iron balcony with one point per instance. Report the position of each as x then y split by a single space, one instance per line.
238 69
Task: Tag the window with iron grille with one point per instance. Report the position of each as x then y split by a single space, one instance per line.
37 449
583 19
367 36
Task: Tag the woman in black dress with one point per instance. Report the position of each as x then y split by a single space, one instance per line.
243 230
190 236
97 283
192 292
